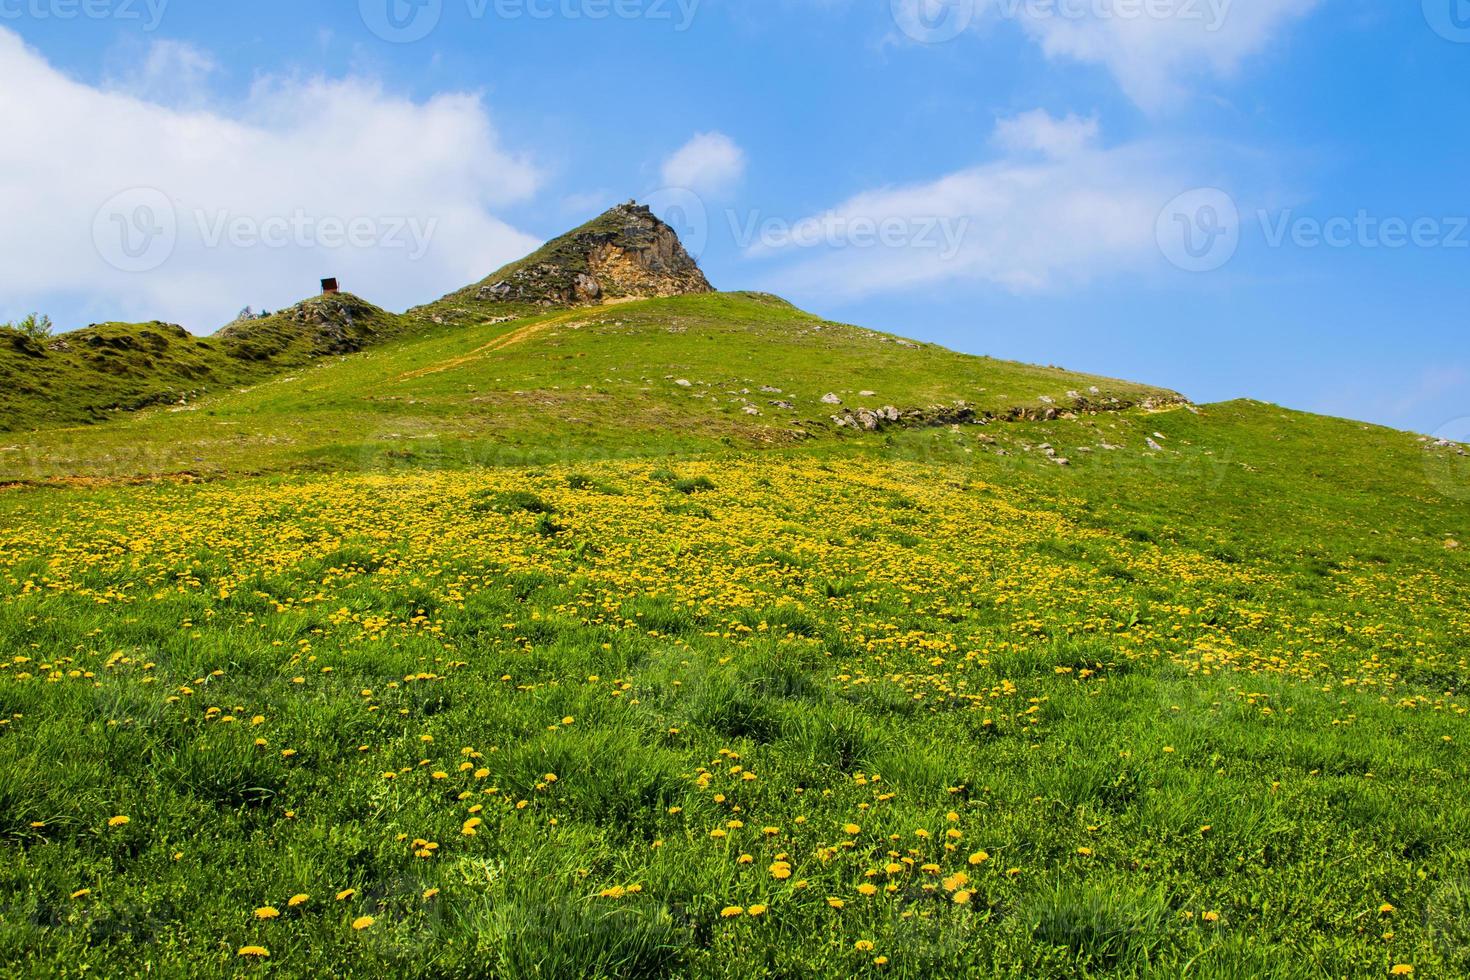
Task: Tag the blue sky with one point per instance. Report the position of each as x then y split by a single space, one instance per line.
1235 198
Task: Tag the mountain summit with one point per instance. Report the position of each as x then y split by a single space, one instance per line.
625 253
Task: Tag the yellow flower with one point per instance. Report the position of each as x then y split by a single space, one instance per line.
962 897
780 871
1386 909
836 903
257 951
345 894
296 900
867 890
118 821
1401 970
863 945
81 893
731 912
362 922
979 857
851 828
569 720
430 893
756 911
1210 916
267 912
1085 851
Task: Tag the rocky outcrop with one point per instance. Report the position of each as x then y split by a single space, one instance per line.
626 253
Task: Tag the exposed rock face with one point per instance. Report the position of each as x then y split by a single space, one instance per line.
626 253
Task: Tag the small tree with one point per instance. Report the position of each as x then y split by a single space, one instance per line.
37 326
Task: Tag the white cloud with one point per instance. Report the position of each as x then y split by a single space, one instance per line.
303 162
1021 223
709 164
171 73
1038 131
1156 57
1155 49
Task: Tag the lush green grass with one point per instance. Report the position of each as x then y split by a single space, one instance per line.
565 385
106 371
1181 744
1192 701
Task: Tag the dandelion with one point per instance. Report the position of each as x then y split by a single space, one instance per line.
345 894
362 922
835 903
961 897
1401 970
296 900
1386 909
430 893
851 828
756 911
863 945
979 857
1210 916
266 912
731 912
118 821
81 893
258 952
867 890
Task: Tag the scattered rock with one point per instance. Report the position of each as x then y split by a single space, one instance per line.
831 399
1155 446
684 383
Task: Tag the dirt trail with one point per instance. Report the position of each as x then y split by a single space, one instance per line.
517 336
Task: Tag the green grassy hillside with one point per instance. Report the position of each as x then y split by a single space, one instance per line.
918 703
701 637
106 371
689 373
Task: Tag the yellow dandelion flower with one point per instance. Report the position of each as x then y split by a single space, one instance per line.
266 912
867 889
961 897
1210 916
362 922
430 893
836 903
259 952
755 911
979 857
863 945
1401 970
118 821
1386 909
851 828
731 912
345 894
296 900
81 893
